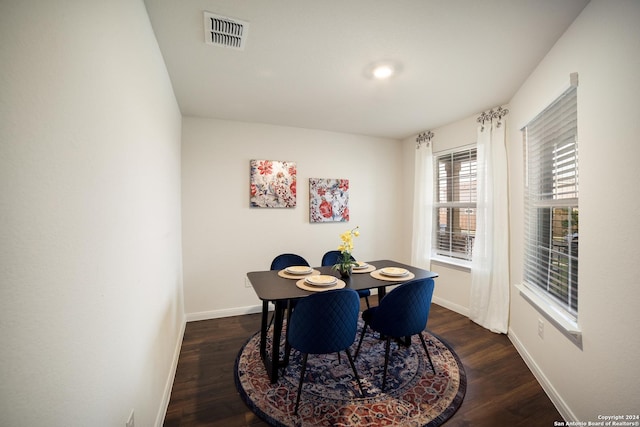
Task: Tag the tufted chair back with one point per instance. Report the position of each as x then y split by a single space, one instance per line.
325 322
404 311
287 260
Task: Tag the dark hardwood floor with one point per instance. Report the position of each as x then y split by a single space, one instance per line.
501 391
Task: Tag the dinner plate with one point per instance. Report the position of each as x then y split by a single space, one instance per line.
298 269
394 271
321 280
361 265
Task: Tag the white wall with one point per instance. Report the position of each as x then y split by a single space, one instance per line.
91 310
603 46
223 238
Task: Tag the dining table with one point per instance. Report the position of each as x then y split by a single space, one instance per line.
281 288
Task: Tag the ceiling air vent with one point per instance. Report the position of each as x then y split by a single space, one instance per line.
224 31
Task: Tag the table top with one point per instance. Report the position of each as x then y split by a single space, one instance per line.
269 286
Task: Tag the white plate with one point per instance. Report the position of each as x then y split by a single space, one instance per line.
394 271
361 265
298 269
321 280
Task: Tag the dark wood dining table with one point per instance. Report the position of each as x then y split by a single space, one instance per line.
272 288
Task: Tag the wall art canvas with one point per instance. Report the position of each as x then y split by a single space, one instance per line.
273 184
328 200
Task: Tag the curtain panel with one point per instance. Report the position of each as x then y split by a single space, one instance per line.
489 302
422 207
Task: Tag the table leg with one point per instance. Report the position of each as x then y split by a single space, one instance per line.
287 346
272 361
263 329
275 344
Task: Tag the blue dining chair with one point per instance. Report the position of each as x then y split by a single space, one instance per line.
324 322
331 258
402 313
287 260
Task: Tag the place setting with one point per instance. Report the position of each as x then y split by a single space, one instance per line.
362 267
320 282
392 274
297 271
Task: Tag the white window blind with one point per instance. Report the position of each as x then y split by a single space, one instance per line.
551 202
455 207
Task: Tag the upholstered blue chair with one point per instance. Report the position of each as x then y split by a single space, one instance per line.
324 322
402 313
287 260
331 258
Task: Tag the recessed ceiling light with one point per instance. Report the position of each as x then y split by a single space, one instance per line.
382 70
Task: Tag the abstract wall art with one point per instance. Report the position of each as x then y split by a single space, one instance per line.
273 184
328 200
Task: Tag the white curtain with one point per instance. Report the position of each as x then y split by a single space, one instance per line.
489 305
422 207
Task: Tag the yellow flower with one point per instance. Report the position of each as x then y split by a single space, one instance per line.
345 261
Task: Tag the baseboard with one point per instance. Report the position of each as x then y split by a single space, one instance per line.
451 306
237 311
162 412
227 312
544 382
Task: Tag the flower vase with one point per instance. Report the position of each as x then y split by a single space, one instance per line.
345 273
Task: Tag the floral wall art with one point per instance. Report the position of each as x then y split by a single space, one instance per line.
328 200
273 184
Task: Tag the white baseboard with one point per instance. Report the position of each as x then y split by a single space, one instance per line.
227 312
162 412
237 311
451 306
548 388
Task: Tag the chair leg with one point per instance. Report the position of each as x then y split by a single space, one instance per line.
302 371
364 329
355 372
366 299
424 344
386 362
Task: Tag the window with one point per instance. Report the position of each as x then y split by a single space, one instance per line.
455 204
551 203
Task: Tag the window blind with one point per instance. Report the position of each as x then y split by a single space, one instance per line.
551 202
455 207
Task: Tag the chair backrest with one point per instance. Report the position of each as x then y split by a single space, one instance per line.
331 258
287 260
405 310
324 322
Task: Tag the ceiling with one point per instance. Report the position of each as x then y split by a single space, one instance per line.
304 61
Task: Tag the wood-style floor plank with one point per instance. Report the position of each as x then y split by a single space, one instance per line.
500 388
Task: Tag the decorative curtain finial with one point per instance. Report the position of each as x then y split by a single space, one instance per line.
424 137
490 115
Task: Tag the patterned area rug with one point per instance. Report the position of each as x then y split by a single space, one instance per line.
414 396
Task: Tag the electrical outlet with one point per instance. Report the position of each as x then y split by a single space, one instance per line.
247 283
540 328
131 421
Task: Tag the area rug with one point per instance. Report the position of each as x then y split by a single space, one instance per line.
414 395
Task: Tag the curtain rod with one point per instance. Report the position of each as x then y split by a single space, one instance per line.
424 137
488 116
